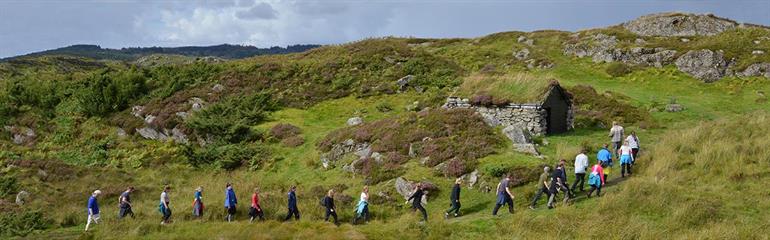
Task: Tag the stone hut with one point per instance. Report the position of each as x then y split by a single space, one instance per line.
549 113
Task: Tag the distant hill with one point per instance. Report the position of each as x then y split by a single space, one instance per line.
223 51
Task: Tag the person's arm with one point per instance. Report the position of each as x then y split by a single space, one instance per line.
508 190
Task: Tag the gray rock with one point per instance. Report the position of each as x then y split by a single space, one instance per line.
121 133
22 198
640 41
440 168
679 24
149 119
179 136
182 115
404 187
151 133
674 107
355 121
22 135
705 64
757 52
218 88
137 111
196 104
518 134
757 69
521 54
521 39
364 152
471 178
377 157
684 40
526 148
403 82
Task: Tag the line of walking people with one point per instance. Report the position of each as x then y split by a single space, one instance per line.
550 183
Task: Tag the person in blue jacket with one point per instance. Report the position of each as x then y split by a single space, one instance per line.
230 201
293 210
605 157
93 209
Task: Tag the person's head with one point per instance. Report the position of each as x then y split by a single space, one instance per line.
603 164
366 189
418 186
330 193
199 189
459 181
256 190
546 169
583 150
293 188
167 188
228 185
130 189
97 193
633 133
625 143
605 145
562 162
614 123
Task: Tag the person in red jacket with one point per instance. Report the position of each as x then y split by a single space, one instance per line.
596 179
256 210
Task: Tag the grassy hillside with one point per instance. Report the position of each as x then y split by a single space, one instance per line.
267 121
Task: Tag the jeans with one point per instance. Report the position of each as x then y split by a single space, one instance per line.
292 211
507 201
598 190
625 167
539 194
125 211
332 213
166 214
564 189
364 215
454 208
579 177
615 147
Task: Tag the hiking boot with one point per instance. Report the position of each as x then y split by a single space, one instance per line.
457 215
446 215
532 207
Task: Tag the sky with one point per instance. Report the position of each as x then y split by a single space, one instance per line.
34 25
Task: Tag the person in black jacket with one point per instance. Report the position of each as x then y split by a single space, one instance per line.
416 199
292 206
559 183
454 199
331 210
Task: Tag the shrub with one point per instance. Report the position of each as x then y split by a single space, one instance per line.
21 223
229 156
455 168
107 92
384 107
482 100
618 69
230 119
294 141
284 131
8 186
593 109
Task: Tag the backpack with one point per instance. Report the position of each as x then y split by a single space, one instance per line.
323 203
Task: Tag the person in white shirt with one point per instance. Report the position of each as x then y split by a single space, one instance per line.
581 164
633 142
616 133
626 158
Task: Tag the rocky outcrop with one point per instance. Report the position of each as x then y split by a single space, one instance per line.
521 138
679 24
471 178
21 135
151 133
405 187
355 121
22 198
363 150
603 48
521 54
756 70
705 65
403 83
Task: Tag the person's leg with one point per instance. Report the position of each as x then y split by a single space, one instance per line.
326 216
629 168
296 214
510 205
538 194
591 190
334 215
424 212
497 207
599 191
88 222
288 215
582 181
622 170
131 212
550 200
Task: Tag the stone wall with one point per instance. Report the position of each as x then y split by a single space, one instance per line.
531 116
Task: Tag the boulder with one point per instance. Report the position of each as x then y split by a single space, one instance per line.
217 88
355 121
196 104
179 136
757 52
674 107
405 187
151 133
471 178
521 54
182 115
121 133
403 82
679 24
149 119
137 111
518 134
757 69
22 198
705 65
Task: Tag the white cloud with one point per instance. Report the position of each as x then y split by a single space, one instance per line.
260 11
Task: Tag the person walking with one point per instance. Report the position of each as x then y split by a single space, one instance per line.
596 179
626 158
93 209
542 187
504 195
454 200
293 210
124 203
616 133
198 203
164 207
255 211
581 164
331 209
230 202
633 142
416 198
605 157
362 209
558 184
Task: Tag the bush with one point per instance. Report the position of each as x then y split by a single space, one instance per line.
229 156
8 186
108 92
294 141
21 223
230 120
284 131
593 109
618 69
384 107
